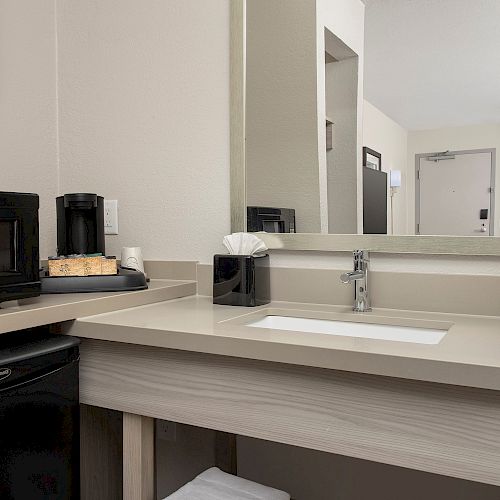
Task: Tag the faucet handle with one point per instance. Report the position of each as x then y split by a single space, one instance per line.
362 255
345 278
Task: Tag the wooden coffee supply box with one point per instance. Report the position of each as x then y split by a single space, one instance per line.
82 265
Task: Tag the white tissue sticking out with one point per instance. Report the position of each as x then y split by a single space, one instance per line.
244 244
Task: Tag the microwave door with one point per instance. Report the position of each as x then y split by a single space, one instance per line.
273 226
9 241
19 246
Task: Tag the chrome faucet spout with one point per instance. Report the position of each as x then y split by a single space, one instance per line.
359 276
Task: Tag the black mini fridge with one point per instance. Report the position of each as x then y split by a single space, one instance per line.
39 417
374 201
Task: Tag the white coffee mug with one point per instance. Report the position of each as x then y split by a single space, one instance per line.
132 258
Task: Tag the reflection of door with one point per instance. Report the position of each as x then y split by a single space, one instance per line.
454 193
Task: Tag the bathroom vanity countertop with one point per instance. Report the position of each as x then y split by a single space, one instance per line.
47 309
469 354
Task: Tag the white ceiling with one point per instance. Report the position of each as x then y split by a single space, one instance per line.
433 63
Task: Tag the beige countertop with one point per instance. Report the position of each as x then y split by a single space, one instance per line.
469 354
47 309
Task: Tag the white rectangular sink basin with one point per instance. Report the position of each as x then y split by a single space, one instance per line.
351 329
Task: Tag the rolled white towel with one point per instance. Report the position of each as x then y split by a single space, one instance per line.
213 484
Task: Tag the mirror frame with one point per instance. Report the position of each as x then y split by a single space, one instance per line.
415 244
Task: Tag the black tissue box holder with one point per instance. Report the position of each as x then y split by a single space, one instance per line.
241 280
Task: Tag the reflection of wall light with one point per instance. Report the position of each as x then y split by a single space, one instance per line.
395 178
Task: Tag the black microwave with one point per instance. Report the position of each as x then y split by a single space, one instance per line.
19 246
271 220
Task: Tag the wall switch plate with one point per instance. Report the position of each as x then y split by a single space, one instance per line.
166 430
110 216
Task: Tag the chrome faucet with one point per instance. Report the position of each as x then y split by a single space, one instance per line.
360 278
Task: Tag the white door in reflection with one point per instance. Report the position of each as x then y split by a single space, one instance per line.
454 194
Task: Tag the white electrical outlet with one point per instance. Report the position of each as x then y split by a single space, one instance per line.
110 216
166 430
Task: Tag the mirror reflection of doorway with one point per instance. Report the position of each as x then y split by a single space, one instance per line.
454 193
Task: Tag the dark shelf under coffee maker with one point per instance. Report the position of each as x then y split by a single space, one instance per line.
125 280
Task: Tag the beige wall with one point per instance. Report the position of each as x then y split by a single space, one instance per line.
188 452
143 115
345 19
286 104
453 139
28 108
281 134
313 475
341 79
399 147
144 118
29 122
384 135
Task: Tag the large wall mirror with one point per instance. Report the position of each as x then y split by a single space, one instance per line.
381 128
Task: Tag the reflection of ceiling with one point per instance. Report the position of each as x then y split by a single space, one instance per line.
433 63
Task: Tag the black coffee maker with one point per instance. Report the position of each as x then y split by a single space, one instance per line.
80 224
